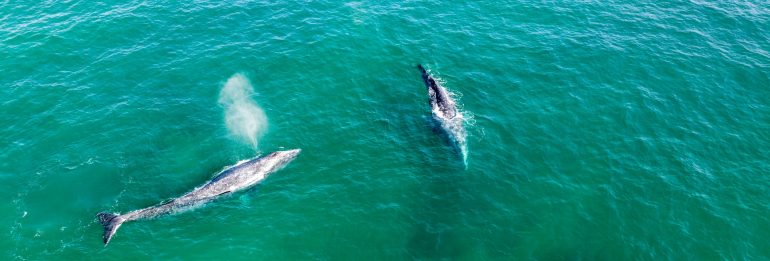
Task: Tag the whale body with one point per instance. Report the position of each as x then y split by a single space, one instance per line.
445 112
238 177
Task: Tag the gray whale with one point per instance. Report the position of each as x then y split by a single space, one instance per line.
446 113
241 176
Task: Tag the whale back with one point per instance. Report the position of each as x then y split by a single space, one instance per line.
439 96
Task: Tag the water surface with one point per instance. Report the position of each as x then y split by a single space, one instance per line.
601 130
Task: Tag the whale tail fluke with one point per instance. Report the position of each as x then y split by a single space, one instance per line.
111 223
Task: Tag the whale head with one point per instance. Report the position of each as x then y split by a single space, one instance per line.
289 155
282 158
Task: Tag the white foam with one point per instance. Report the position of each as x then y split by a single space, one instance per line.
244 118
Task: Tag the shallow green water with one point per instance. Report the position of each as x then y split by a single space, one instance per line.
600 130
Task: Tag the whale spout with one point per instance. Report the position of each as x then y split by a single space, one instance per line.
111 223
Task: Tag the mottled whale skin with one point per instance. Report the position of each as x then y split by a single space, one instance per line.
442 105
241 176
445 111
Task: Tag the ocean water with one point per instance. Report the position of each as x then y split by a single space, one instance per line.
598 130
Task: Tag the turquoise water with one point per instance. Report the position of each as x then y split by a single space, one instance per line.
600 130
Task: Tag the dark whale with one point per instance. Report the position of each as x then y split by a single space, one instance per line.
445 112
439 97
